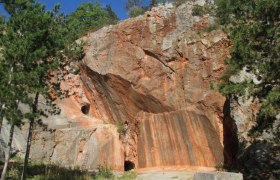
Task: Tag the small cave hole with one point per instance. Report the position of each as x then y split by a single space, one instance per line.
85 109
128 165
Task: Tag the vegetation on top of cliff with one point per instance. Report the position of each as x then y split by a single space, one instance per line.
136 7
88 17
253 28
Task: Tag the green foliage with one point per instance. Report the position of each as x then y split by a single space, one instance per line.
136 11
253 28
136 7
128 175
13 173
210 28
104 172
202 10
230 70
28 55
231 88
41 171
271 105
88 17
212 86
121 128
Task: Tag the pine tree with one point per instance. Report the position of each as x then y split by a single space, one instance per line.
30 44
253 28
88 17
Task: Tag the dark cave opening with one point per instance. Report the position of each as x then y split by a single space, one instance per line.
230 137
85 109
128 165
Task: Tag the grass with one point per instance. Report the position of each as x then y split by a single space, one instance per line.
42 171
128 175
46 172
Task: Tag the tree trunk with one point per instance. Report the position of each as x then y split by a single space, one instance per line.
2 108
29 139
8 153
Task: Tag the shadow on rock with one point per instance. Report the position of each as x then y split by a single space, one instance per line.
261 160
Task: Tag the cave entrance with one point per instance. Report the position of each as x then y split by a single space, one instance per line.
128 165
85 109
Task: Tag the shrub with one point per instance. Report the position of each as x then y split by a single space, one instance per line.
202 10
212 86
231 69
104 172
136 11
231 88
121 128
128 175
14 172
198 10
40 171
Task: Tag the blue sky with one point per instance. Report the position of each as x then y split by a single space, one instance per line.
68 6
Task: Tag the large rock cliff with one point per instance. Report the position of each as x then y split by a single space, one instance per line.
144 98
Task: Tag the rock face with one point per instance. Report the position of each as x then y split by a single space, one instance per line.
154 77
80 147
259 153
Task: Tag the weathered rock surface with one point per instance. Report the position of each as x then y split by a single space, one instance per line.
80 147
151 76
154 73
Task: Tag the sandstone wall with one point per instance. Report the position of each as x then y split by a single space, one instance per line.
152 74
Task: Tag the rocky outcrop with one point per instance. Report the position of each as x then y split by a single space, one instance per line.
153 77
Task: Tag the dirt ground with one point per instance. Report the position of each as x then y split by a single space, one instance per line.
172 175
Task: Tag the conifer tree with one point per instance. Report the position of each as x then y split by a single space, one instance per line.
88 17
253 28
30 44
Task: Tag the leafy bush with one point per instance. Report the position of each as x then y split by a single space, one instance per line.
14 172
202 10
121 128
198 10
271 104
104 172
212 86
231 69
136 11
231 88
